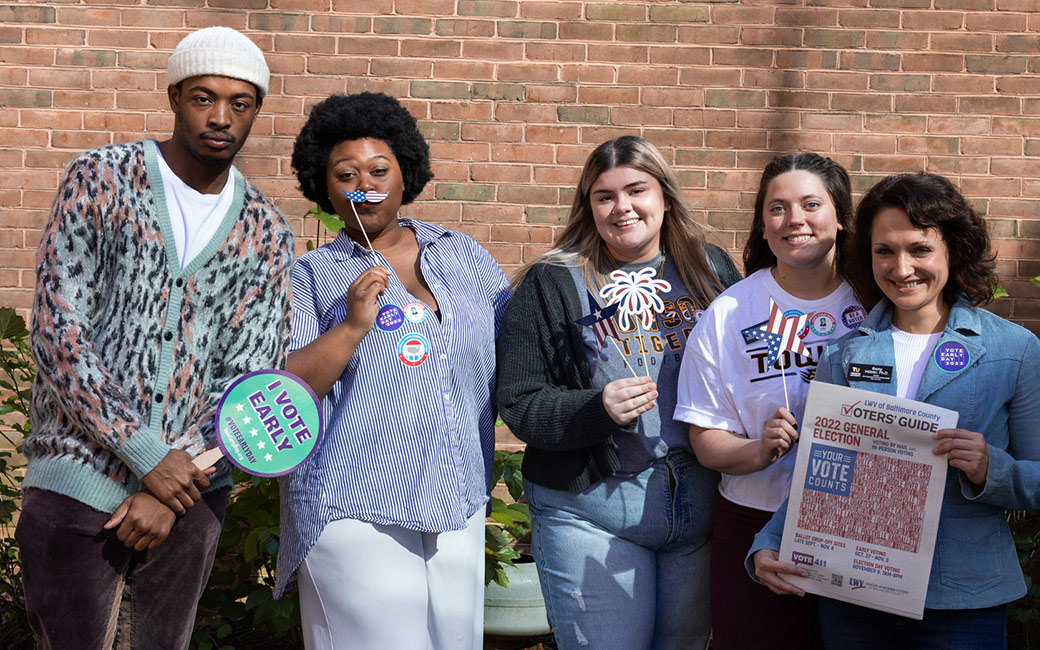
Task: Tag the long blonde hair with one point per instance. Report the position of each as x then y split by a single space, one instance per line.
580 245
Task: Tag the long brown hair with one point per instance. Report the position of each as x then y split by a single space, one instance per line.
757 254
580 245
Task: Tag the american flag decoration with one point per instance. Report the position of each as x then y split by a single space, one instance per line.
635 294
601 320
781 333
361 196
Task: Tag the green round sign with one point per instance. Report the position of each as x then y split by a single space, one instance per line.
269 422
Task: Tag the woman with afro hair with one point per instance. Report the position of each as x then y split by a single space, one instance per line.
394 326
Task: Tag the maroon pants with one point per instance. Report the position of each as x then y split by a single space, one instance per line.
744 614
80 580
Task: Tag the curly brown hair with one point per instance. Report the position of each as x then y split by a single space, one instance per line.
930 201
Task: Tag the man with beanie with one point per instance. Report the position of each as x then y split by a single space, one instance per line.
162 276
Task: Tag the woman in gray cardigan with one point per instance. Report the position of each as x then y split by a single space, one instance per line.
621 507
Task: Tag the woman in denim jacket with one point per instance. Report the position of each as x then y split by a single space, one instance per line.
921 256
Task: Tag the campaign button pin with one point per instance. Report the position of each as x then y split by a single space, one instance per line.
853 316
390 318
951 356
412 349
415 311
822 323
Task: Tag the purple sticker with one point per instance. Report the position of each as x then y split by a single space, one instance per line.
853 316
951 356
389 318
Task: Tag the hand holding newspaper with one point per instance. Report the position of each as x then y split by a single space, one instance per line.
865 498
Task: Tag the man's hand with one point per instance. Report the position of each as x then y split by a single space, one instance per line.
176 482
143 522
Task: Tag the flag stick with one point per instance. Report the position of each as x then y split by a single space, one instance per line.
618 348
783 379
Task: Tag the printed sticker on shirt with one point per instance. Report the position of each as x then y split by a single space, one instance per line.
951 356
871 373
822 323
390 318
853 316
413 349
415 312
794 313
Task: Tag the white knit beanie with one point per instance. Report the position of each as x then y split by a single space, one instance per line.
219 51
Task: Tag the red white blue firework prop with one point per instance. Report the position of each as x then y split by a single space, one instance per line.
636 296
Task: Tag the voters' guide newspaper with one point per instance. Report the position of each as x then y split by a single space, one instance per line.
865 498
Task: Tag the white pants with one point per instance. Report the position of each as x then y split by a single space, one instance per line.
370 587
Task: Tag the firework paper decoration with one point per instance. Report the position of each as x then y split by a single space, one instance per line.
635 294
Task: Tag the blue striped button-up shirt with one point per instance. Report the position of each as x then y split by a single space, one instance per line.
410 424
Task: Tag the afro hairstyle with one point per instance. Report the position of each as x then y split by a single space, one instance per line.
353 117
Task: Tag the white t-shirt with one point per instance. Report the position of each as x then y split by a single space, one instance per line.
912 355
724 382
194 216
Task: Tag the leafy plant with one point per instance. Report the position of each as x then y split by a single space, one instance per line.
510 522
17 371
332 223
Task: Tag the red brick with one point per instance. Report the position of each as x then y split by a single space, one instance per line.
618 53
837 121
897 40
550 10
551 93
743 15
725 77
892 164
959 125
735 139
932 20
587 73
933 62
1016 126
640 116
769 120
431 48
991 105
995 22
865 143
649 76
869 18
555 51
798 99
528 72
607 95
827 59
928 144
837 80
126 80
708 118
778 36
901 82
672 97
751 57
992 146
965 84
525 113
925 104
703 159
668 137
709 35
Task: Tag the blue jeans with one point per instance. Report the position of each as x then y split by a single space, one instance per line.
851 627
624 564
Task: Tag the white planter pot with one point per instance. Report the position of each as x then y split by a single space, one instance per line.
518 610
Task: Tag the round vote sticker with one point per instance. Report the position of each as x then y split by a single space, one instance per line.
415 311
390 318
413 349
951 356
269 422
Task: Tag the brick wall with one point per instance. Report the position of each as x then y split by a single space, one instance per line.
513 95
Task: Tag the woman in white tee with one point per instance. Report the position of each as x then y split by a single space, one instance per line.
742 406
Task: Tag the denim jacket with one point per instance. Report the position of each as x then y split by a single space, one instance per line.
997 394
